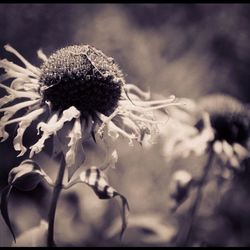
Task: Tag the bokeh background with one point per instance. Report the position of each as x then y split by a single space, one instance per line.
188 50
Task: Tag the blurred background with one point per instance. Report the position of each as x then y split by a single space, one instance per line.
188 50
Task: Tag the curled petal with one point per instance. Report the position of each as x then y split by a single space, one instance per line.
29 117
20 84
114 131
75 142
133 88
18 140
3 134
111 157
10 66
20 94
52 127
32 69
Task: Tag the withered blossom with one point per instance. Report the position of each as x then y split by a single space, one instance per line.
80 85
218 122
77 94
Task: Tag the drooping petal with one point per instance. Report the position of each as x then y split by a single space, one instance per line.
111 156
29 117
20 84
11 67
20 94
75 136
52 127
133 88
18 140
32 69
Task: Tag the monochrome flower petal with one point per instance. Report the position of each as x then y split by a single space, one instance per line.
18 140
52 127
27 118
41 55
75 142
32 69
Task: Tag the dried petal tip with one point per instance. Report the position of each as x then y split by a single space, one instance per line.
84 77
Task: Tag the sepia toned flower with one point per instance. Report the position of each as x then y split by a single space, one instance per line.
78 88
218 122
77 94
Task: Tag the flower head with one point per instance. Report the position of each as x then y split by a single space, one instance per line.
221 123
82 88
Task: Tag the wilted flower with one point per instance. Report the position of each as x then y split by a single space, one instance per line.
80 85
220 123
216 125
77 94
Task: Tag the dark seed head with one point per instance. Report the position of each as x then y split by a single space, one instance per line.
84 77
228 116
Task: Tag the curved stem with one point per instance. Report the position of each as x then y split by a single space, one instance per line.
192 212
52 211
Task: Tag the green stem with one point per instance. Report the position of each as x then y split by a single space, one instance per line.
184 241
55 196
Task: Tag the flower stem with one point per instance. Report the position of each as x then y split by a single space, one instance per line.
55 196
184 241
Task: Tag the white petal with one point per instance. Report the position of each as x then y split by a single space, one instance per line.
227 148
19 94
111 156
6 99
241 151
52 127
29 66
10 66
217 147
41 55
138 91
234 162
75 136
18 140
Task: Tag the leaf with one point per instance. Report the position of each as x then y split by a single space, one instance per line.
24 177
4 208
27 176
95 178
